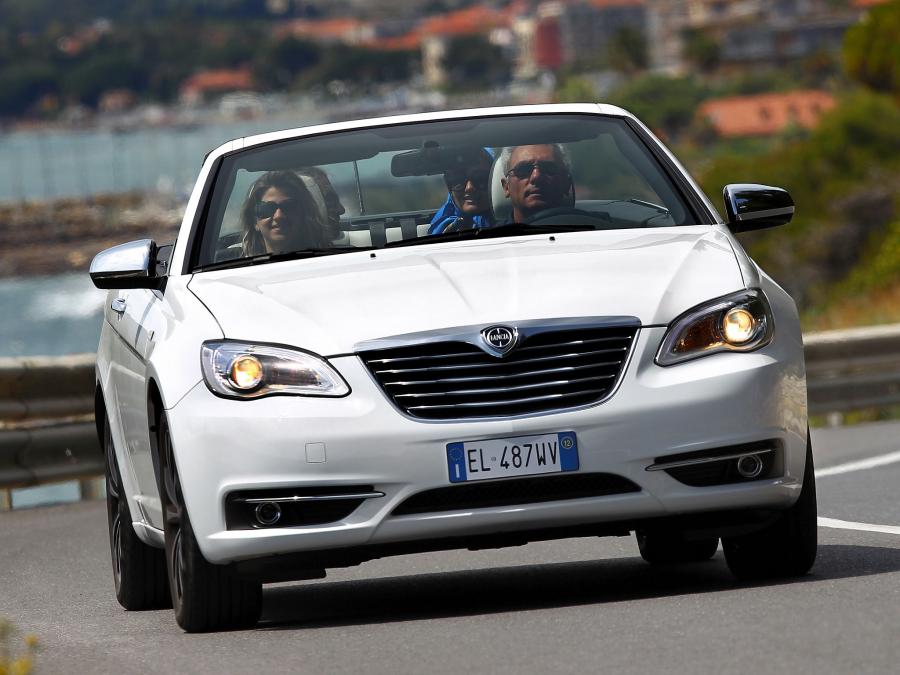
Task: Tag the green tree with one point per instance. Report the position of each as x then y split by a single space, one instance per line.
627 50
102 71
360 66
22 85
845 180
664 103
280 63
701 51
471 62
574 89
872 49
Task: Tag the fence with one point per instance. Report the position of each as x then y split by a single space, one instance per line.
47 431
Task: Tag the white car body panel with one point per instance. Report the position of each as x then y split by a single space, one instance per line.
330 305
368 441
157 332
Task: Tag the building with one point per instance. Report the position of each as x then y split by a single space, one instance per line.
200 86
572 32
666 21
748 32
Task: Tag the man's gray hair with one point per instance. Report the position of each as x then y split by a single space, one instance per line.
560 151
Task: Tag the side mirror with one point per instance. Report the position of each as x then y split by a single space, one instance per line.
754 207
131 265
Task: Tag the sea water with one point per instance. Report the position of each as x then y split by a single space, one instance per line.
49 316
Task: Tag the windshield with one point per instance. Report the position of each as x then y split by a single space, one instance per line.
420 183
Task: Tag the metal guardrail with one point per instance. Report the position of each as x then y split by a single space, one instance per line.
47 431
853 369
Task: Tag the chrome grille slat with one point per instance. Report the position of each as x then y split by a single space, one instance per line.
426 357
503 363
487 378
501 390
491 404
573 343
548 370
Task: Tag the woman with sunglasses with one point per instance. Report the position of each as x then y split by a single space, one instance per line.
279 216
468 205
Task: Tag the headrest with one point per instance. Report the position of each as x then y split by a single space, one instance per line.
316 193
499 201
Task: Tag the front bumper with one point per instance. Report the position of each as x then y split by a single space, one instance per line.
223 446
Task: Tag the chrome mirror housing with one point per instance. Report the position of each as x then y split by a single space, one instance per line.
130 265
754 207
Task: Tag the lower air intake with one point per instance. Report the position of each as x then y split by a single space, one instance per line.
515 491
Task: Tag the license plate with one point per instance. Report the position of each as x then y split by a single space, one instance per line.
505 457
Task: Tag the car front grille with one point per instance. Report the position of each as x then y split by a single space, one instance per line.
512 491
546 371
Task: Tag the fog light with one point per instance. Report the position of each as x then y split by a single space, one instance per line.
267 513
739 326
749 466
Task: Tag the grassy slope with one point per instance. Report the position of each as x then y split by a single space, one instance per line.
840 257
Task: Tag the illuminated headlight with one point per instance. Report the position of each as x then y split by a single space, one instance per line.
740 322
245 370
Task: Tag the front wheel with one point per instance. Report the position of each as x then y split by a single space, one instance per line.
787 547
205 596
139 570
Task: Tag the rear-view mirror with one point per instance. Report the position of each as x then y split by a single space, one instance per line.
754 207
131 265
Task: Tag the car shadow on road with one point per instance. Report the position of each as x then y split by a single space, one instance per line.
530 587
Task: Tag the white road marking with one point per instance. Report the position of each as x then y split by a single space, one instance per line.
863 527
859 465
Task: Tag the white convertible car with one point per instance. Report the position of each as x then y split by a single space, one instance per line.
466 329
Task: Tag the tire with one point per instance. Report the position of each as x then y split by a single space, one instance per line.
205 596
139 570
664 548
787 547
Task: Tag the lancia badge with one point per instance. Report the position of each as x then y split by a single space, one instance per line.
499 339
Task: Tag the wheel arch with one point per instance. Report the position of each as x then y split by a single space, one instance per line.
155 411
99 413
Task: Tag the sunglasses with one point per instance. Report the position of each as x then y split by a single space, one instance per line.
523 170
456 180
266 210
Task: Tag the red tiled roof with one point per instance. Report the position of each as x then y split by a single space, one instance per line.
468 21
765 114
336 28
219 80
474 19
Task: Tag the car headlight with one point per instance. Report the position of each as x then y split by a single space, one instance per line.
740 322
246 370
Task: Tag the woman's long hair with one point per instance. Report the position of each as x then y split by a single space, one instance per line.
311 223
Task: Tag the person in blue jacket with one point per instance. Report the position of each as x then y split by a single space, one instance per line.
468 204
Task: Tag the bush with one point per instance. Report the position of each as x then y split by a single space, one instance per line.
665 104
845 180
16 665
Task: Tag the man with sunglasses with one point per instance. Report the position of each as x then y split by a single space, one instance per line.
536 178
468 205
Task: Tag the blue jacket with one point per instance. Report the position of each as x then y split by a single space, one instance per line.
449 214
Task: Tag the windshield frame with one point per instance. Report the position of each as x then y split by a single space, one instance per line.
697 207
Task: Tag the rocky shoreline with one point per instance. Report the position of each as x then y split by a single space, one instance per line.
48 238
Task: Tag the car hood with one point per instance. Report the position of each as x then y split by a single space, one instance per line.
328 305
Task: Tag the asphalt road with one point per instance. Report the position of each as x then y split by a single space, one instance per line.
576 605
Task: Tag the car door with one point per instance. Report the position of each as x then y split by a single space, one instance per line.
137 318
